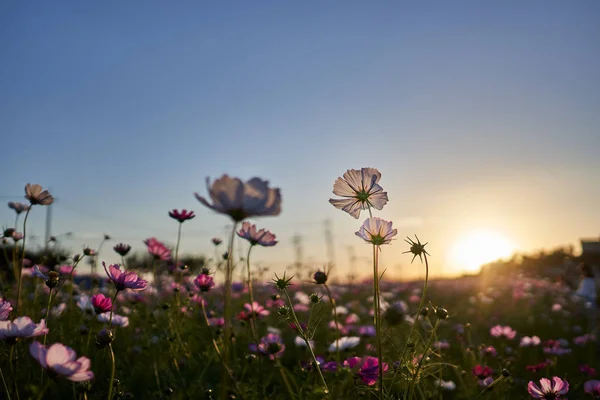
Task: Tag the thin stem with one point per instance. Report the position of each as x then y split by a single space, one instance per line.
251 295
40 395
113 306
335 317
112 373
500 378
5 386
19 265
377 316
227 307
303 336
176 270
416 374
285 378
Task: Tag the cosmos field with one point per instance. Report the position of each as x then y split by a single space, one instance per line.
170 331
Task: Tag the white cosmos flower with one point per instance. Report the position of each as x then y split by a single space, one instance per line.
359 190
344 343
376 231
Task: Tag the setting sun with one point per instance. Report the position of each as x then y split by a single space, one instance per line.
478 248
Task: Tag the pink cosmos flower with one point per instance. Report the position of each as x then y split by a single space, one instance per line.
261 237
270 345
21 327
5 309
377 231
157 249
592 387
60 360
254 310
548 389
506 331
241 200
204 282
369 370
66 269
18 207
101 303
482 372
36 195
489 351
527 341
359 191
124 280
182 215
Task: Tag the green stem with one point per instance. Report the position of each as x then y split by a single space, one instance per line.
500 378
5 386
335 317
112 373
177 270
377 316
251 295
427 346
19 265
227 308
112 307
306 340
285 378
40 396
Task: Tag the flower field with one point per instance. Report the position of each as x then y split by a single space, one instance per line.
168 333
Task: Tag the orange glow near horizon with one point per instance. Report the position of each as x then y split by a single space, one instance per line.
470 252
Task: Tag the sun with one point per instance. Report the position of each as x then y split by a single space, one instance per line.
477 248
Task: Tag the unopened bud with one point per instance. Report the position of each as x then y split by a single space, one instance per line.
52 280
104 338
441 313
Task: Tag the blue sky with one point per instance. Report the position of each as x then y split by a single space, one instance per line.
480 116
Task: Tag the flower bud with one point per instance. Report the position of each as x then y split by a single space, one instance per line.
424 311
320 277
283 311
505 373
104 338
314 298
441 313
52 280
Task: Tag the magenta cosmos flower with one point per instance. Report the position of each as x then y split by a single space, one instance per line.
241 200
360 191
377 231
21 327
124 280
5 309
270 345
592 387
261 237
36 195
182 215
548 389
506 331
204 282
254 310
369 370
101 303
60 360
157 249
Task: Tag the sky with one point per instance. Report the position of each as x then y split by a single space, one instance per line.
481 117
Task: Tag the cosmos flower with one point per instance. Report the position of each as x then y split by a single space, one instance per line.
122 249
241 200
254 310
204 282
359 191
182 215
344 343
124 280
506 331
482 372
157 249
270 345
527 341
101 303
36 195
548 389
60 360
21 327
5 309
18 207
592 387
369 370
377 231
261 237
117 320
446 385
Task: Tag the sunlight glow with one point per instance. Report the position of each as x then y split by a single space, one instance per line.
478 248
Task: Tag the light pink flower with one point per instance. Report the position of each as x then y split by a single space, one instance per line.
241 200
261 237
527 341
592 387
21 327
157 249
60 360
359 190
377 231
18 207
5 309
548 389
124 280
506 331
